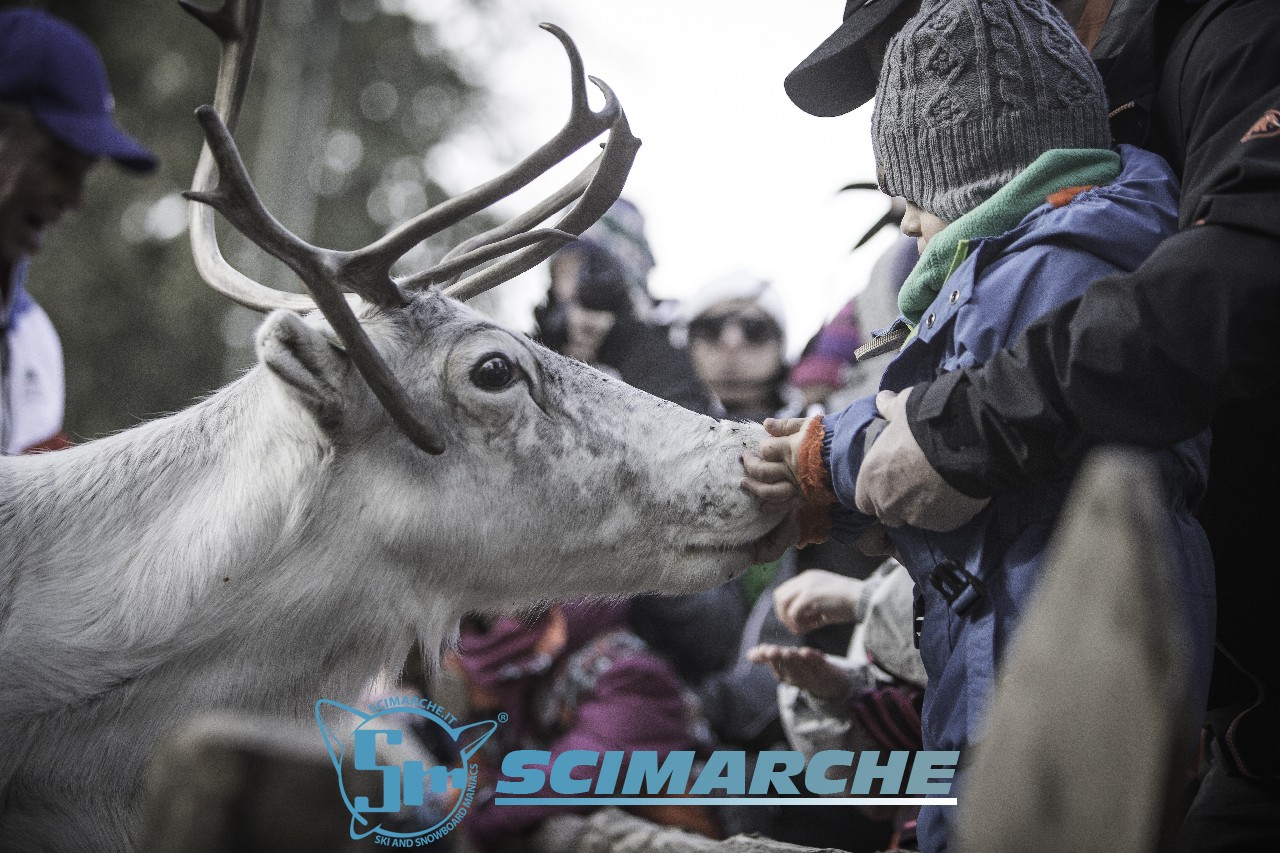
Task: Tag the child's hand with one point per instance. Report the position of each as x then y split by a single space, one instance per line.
771 473
806 668
815 598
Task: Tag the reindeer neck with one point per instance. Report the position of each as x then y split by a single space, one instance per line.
190 492
199 537
120 543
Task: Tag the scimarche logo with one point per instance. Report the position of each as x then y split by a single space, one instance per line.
591 778
643 777
404 784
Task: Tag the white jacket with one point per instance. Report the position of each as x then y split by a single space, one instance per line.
32 385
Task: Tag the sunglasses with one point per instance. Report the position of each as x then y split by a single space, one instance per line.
756 330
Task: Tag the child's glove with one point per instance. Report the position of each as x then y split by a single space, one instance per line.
788 475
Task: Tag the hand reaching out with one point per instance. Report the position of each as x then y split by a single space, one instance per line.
771 480
805 667
815 598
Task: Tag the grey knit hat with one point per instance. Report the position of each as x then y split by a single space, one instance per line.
972 92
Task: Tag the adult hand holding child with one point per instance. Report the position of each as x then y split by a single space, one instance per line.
897 485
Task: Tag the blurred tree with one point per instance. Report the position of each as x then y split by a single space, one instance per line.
347 100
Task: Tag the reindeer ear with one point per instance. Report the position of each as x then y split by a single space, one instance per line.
306 362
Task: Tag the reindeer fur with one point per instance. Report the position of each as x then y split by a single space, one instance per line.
281 541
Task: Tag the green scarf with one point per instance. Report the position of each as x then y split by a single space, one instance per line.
1052 171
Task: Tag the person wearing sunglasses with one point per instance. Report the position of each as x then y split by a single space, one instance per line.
734 330
753 329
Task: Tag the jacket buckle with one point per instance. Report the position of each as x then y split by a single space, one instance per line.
960 589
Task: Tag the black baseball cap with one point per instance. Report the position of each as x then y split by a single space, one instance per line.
842 73
56 71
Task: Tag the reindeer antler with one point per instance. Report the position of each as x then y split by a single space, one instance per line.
367 271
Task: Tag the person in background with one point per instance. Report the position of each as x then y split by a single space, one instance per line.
735 329
830 374
871 697
56 123
829 358
599 311
572 678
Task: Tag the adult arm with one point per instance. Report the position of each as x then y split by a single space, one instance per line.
1142 359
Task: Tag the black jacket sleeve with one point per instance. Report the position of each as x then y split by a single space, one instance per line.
1147 358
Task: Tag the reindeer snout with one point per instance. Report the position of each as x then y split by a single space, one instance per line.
743 437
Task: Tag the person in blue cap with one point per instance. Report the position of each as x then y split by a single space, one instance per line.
56 122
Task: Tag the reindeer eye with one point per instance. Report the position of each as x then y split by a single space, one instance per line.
494 372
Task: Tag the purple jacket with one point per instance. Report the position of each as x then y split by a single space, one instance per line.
605 690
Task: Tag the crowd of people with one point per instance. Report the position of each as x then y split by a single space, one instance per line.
701 671
1062 205
1090 209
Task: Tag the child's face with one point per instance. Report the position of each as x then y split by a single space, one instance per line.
922 225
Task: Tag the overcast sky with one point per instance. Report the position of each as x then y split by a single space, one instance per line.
731 174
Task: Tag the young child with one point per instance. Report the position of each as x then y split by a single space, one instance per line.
991 121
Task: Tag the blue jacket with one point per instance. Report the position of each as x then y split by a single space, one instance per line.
1006 282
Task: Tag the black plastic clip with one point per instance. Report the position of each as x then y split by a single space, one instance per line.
961 589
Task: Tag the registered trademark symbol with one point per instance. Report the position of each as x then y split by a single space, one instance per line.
502 717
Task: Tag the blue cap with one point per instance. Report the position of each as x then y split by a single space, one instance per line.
56 71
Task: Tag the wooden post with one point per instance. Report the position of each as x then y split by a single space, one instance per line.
232 783
1089 728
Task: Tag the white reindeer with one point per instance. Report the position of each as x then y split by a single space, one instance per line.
380 472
